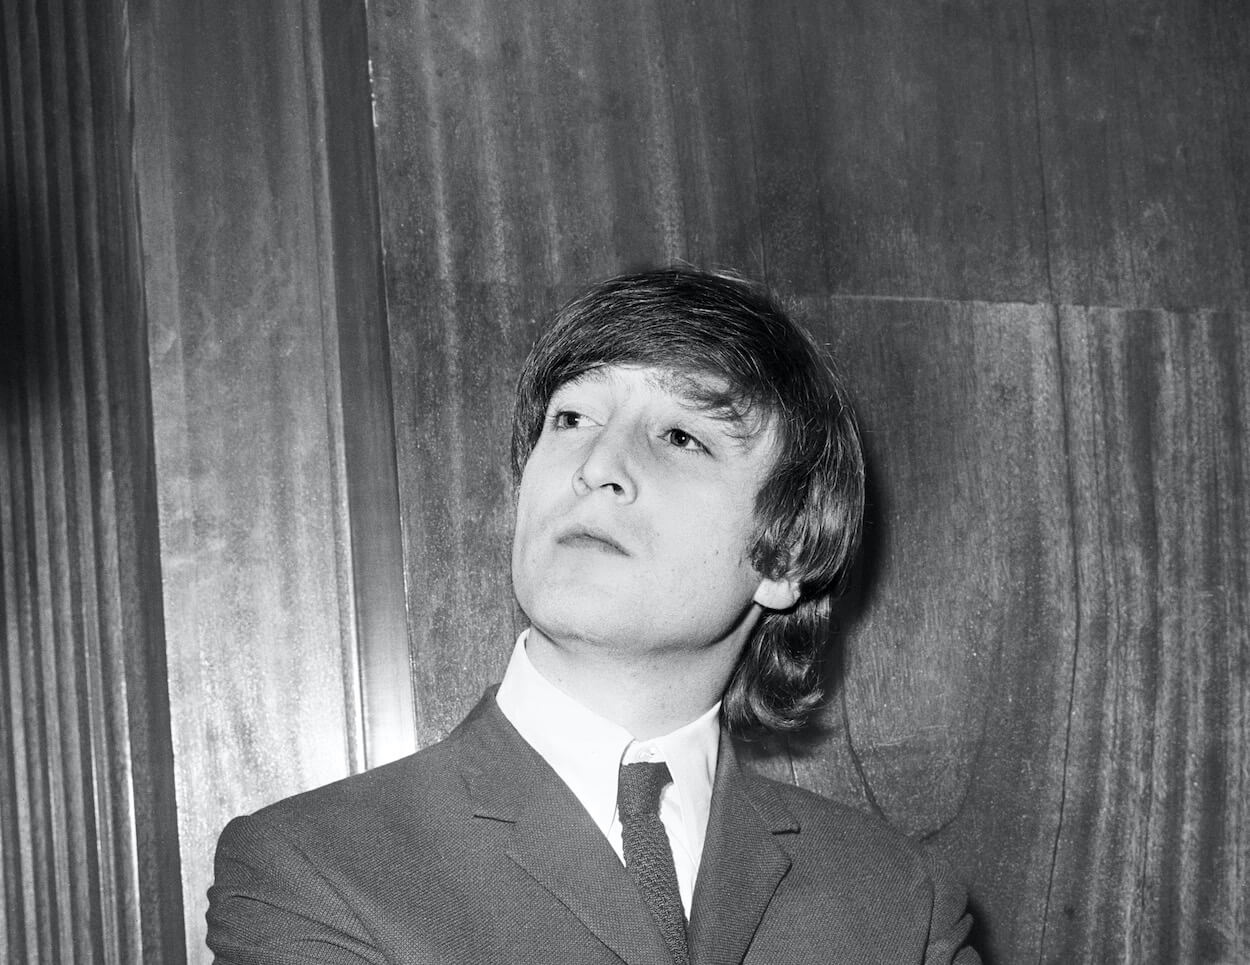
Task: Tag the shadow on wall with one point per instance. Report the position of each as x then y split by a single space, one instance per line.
28 311
849 609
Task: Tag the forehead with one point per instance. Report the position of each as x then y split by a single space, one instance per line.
702 391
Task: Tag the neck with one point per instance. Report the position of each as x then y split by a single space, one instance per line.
649 694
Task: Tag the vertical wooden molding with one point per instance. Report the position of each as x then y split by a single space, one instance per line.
283 587
356 319
88 841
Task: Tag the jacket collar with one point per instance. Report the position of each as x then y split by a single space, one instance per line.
555 841
743 862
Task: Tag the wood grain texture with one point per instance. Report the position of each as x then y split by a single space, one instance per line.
1046 678
262 263
956 662
536 141
1150 863
895 147
767 137
88 841
351 270
1144 143
453 419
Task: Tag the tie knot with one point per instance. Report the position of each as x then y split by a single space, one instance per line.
639 787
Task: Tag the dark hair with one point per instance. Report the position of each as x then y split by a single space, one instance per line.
809 510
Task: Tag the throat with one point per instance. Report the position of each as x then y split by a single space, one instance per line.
649 694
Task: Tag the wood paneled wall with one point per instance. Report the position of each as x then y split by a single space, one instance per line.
88 845
1023 227
274 446
1024 230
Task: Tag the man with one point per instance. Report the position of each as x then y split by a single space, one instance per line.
690 495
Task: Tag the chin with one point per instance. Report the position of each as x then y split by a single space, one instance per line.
572 589
588 623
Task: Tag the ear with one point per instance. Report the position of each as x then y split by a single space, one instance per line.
777 594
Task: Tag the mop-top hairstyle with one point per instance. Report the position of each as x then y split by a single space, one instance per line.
734 348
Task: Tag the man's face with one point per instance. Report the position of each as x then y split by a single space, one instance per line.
635 518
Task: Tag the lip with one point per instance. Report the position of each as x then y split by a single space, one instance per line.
591 537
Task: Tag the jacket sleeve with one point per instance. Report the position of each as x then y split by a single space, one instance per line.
949 920
269 905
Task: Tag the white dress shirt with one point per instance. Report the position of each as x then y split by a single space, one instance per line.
586 751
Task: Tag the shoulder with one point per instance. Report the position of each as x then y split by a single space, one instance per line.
411 796
862 850
857 836
333 823
428 772
311 871
837 850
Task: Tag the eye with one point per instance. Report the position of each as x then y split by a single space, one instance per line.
567 419
684 440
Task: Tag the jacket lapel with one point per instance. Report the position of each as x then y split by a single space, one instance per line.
742 864
554 840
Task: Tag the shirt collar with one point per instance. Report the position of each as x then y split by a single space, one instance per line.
586 749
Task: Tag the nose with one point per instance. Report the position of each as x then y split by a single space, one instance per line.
609 467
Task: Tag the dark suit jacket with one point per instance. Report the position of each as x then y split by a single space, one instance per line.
474 851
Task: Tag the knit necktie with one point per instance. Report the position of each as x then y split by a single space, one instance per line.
648 857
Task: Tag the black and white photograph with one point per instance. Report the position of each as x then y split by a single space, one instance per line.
625 482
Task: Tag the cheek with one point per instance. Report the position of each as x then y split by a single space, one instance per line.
528 496
538 509
523 540
524 525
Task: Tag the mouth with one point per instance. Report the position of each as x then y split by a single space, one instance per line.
591 538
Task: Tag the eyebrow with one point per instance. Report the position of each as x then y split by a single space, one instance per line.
700 392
